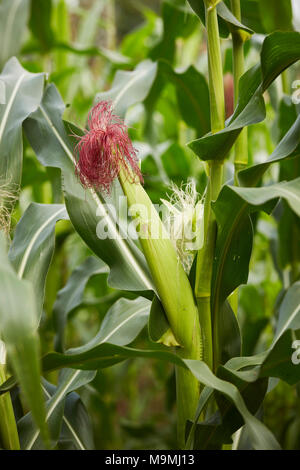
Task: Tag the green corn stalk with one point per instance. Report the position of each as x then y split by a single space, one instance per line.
238 39
215 176
174 291
8 429
241 146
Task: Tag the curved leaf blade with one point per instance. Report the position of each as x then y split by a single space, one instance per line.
289 313
122 323
288 147
69 381
107 354
279 51
23 93
18 320
33 245
48 137
234 242
227 21
13 18
129 88
70 296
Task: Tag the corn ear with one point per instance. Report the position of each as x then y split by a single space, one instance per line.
173 289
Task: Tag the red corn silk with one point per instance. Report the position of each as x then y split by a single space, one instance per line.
105 149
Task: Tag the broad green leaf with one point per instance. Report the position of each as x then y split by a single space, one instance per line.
177 22
192 95
288 240
122 323
203 400
18 320
289 190
23 93
217 430
70 296
230 335
40 23
250 110
13 20
287 115
113 56
136 43
253 393
29 436
87 31
191 92
288 147
279 51
276 16
254 318
234 242
76 431
210 434
289 313
158 326
279 362
61 28
49 138
8 385
251 15
129 88
227 21
69 381
33 245
276 362
108 354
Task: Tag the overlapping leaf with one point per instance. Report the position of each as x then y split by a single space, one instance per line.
23 92
289 147
18 320
279 51
121 325
108 354
234 243
69 381
33 245
227 21
129 88
70 296
49 138
13 20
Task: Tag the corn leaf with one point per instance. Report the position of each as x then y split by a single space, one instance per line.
49 138
18 320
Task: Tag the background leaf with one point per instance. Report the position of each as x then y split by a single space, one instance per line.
69 380
71 295
23 93
129 88
33 245
279 51
18 319
13 20
278 18
47 135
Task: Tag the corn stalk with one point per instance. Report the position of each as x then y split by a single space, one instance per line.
215 176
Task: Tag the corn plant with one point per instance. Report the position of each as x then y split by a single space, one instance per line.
177 147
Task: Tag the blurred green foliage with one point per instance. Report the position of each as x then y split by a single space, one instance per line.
80 45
